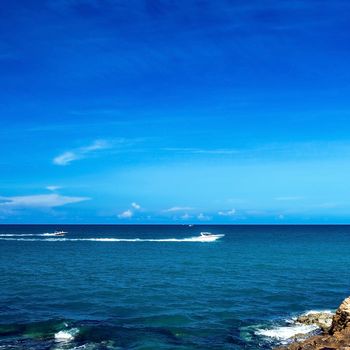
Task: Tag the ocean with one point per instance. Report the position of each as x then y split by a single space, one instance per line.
154 287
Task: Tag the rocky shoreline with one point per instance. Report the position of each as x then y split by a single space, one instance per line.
335 330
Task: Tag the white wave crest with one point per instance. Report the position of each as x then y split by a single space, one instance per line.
292 329
285 333
307 313
66 335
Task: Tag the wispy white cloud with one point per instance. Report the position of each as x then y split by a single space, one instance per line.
39 201
186 216
227 213
53 188
175 209
66 158
276 150
127 214
136 206
203 217
79 153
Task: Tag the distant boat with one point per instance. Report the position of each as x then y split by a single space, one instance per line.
55 233
59 233
209 237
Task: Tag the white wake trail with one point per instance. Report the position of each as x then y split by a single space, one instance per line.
25 234
188 239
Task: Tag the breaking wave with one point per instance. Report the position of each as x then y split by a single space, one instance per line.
290 329
66 335
284 334
318 311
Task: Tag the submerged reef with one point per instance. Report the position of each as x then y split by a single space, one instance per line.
335 330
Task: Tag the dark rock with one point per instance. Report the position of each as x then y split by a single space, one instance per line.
341 319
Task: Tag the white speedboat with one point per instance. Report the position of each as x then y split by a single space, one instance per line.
56 233
59 233
209 237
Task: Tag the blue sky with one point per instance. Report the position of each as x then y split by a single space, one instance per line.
174 111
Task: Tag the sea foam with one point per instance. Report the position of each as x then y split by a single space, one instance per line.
307 313
285 333
66 335
291 329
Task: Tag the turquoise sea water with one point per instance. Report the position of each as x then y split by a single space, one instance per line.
239 292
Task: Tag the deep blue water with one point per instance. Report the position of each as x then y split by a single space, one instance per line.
165 295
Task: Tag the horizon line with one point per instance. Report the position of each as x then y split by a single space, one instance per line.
172 224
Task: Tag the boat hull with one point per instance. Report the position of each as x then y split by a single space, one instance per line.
209 238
